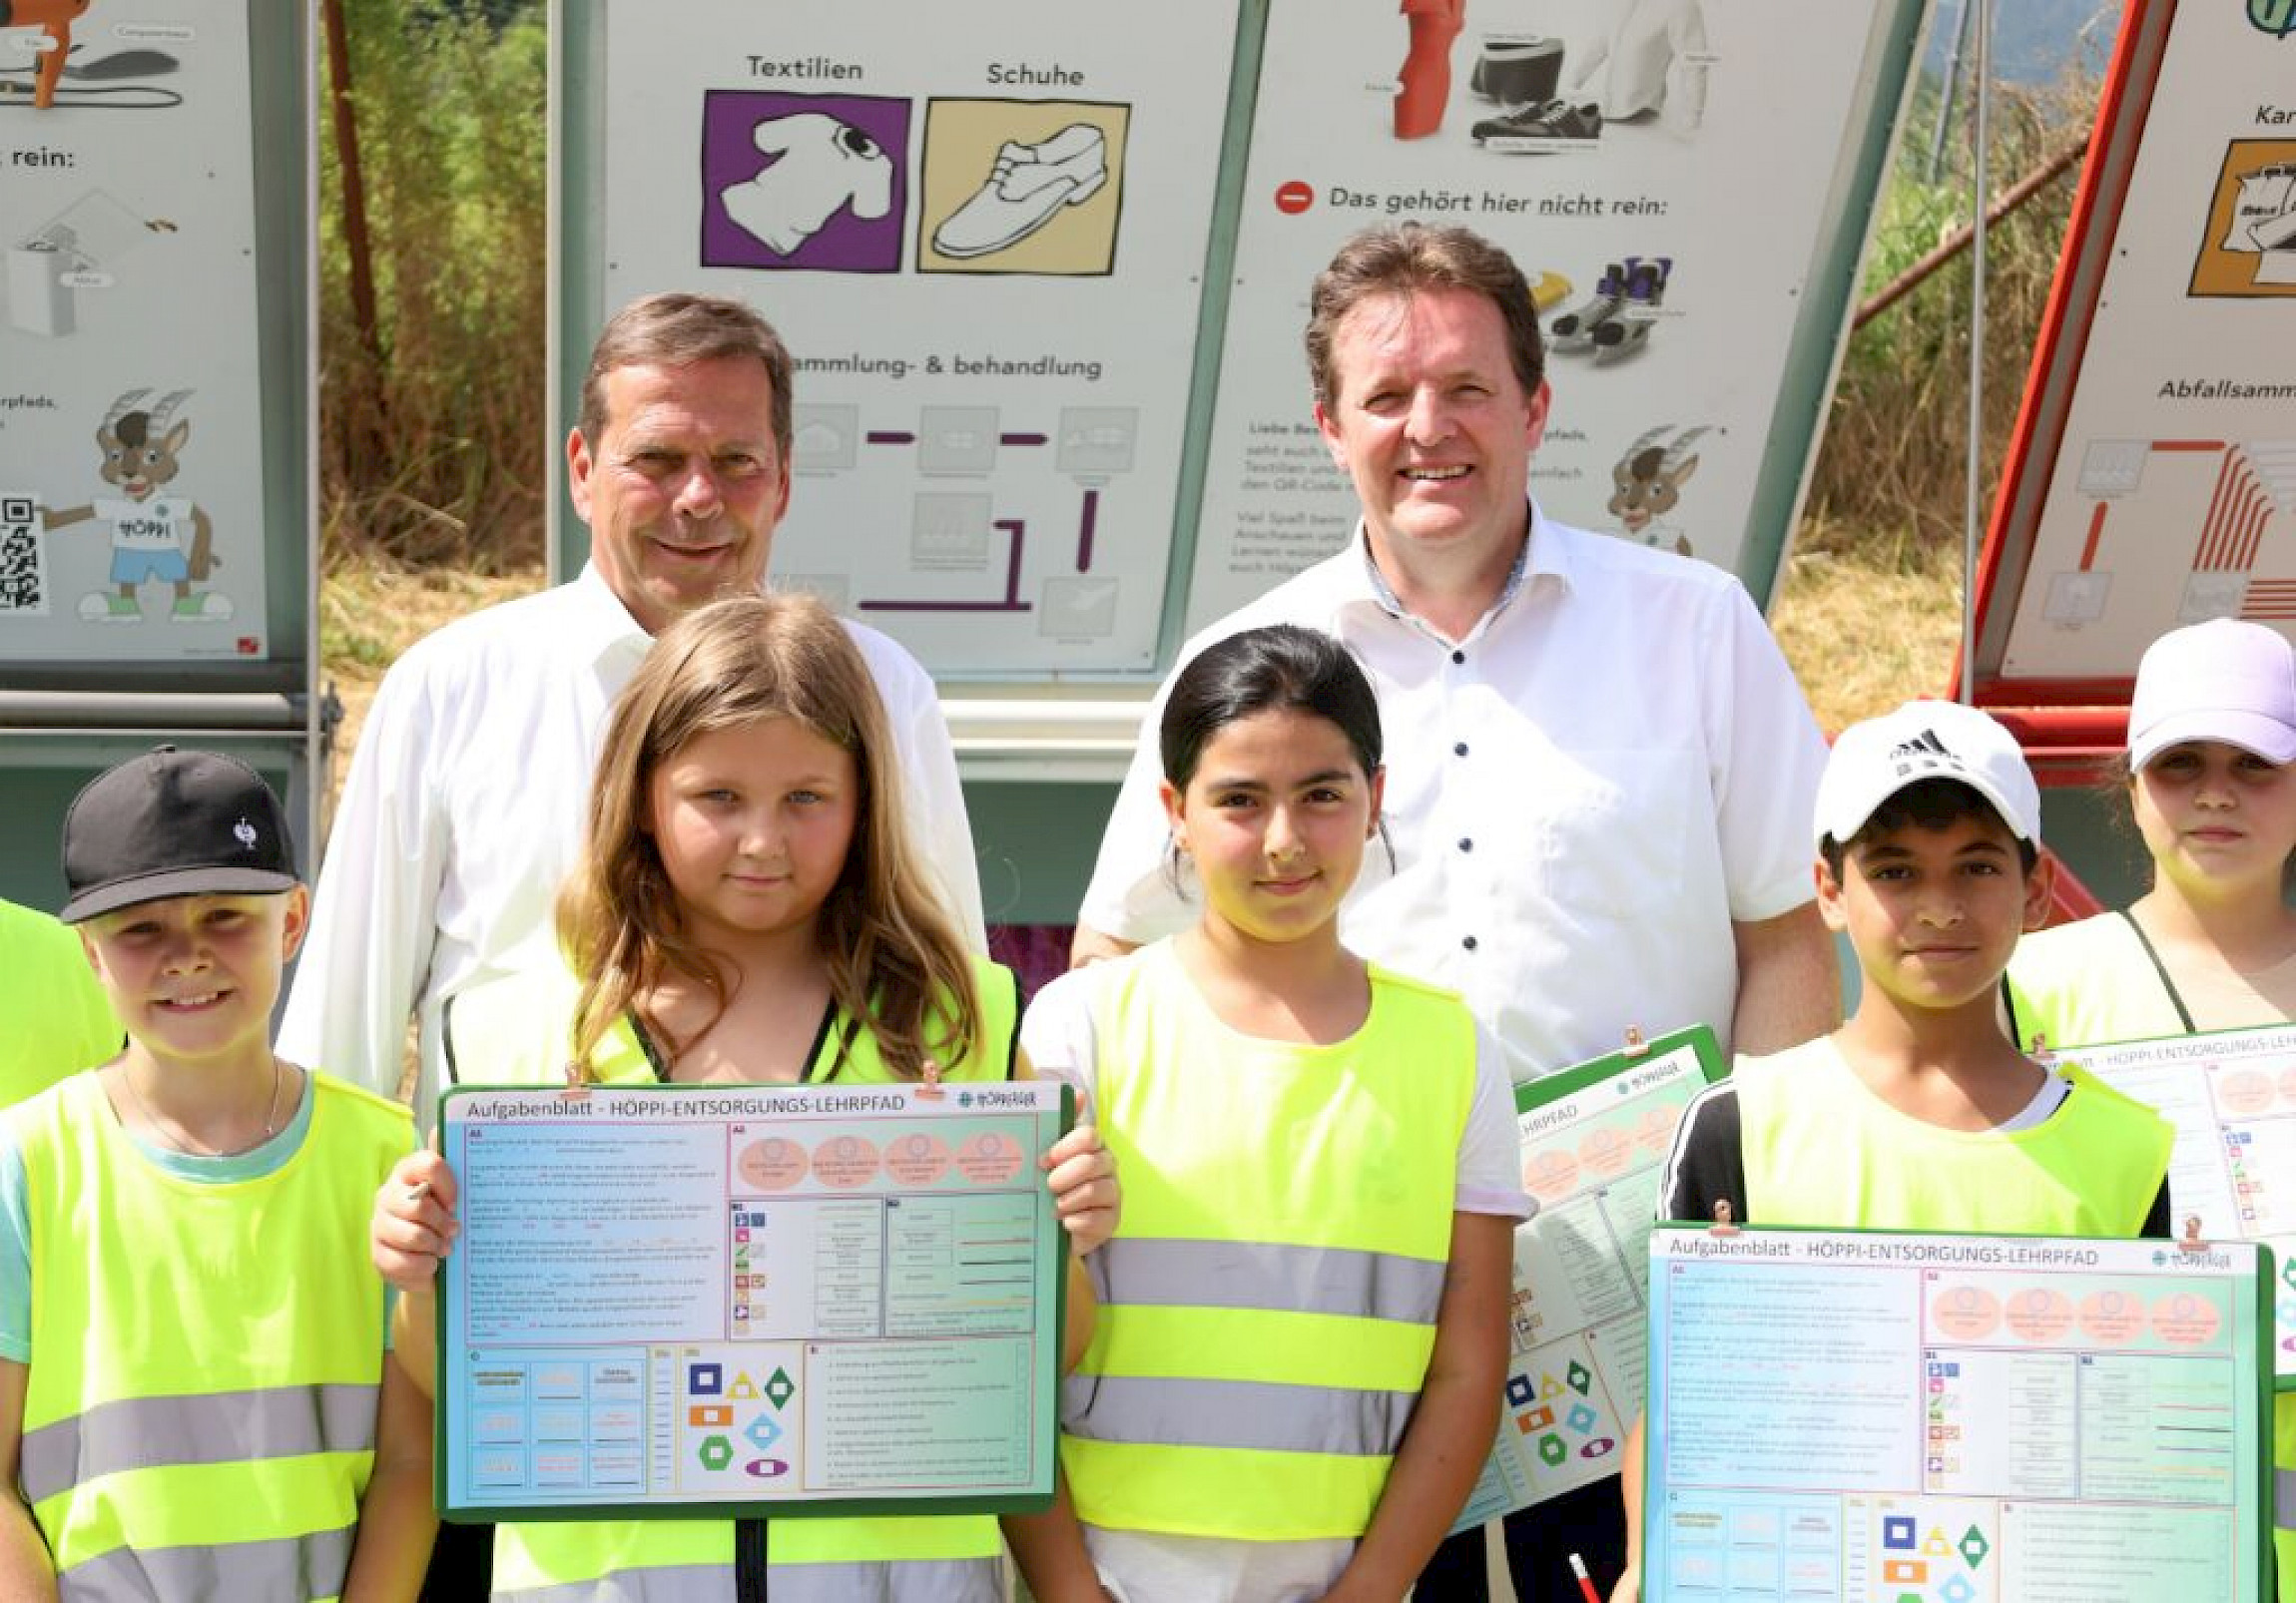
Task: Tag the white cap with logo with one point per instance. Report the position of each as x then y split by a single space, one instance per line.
1873 760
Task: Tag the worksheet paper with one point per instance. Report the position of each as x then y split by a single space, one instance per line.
1595 1143
1955 1419
2232 1173
742 1300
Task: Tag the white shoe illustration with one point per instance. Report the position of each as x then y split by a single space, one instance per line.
1025 189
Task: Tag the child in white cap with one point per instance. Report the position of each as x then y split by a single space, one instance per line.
1919 1113
2212 945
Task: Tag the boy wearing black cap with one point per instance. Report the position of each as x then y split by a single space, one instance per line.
1919 1113
194 1397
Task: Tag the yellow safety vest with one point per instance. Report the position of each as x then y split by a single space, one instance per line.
199 1420
518 1032
1822 1150
54 1018
1268 1303
2093 981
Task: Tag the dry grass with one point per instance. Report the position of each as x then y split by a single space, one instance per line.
1863 636
369 613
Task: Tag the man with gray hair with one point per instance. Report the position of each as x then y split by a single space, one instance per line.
464 805
1599 767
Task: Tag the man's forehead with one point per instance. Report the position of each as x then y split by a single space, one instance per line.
733 389
1457 326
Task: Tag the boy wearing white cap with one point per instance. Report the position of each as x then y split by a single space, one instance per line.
1919 1113
2212 945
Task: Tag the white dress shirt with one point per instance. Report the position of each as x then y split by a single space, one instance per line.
466 805
1583 794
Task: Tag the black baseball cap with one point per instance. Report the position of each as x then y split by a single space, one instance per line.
173 824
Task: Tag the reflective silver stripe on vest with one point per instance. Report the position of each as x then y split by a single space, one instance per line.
1166 1273
956 1580
289 1566
1235 1413
2284 1499
216 1427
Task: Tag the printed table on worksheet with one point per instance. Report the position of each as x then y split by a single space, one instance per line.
1596 1139
2232 1173
1956 1419
747 1300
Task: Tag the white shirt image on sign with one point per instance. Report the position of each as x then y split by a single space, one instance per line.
162 524
824 166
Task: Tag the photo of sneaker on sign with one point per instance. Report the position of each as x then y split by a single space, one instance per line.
1025 188
1548 127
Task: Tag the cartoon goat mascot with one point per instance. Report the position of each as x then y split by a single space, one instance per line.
153 536
1648 482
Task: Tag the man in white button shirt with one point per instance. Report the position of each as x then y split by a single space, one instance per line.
1599 767
466 802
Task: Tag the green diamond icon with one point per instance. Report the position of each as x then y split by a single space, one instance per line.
780 1388
1551 1451
1974 1547
716 1452
2288 1273
1580 1378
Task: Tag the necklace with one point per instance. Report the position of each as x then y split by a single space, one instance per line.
152 1122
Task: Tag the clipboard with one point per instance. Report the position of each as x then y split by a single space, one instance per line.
1596 1137
2231 1096
1864 1412
745 1301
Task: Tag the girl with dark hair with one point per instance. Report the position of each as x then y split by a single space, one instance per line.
1295 1375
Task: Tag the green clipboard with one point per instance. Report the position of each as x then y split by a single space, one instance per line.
2225 1092
750 1301
1596 1137
1925 1408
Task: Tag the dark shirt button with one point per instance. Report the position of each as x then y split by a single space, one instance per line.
1459 750
1469 943
1459 656
1466 844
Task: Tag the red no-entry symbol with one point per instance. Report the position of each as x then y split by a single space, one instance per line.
1293 197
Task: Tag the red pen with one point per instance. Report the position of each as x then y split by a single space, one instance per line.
1585 1581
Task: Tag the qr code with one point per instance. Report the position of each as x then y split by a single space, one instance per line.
23 560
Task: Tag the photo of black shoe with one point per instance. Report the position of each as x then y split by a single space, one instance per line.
1554 125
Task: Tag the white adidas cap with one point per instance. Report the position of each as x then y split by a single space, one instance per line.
1873 760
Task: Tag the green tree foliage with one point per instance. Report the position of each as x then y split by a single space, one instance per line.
432 446
1889 476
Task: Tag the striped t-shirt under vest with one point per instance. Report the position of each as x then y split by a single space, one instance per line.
1268 1303
199 1421
1822 1150
946 1558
